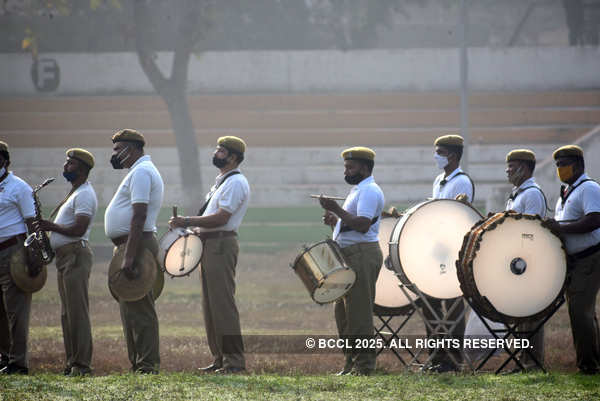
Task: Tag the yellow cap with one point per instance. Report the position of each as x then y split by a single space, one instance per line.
81 155
128 135
358 152
232 143
520 154
568 151
449 140
3 146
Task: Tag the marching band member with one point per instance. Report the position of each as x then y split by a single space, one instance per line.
219 220
74 258
577 218
453 183
17 210
130 222
527 198
356 232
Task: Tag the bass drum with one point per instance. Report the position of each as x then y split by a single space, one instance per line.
425 243
389 298
512 268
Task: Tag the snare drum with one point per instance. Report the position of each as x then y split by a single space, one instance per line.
512 268
425 242
389 298
180 251
324 272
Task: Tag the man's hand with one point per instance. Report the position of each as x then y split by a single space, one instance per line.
178 221
329 219
44 225
329 204
553 225
130 271
462 198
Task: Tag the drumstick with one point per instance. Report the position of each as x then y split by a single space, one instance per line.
327 197
174 211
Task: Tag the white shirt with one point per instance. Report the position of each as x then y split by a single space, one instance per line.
82 201
16 205
143 184
232 196
455 184
365 200
584 199
529 199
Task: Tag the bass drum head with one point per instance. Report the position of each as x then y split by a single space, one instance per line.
389 298
335 285
429 237
183 256
520 267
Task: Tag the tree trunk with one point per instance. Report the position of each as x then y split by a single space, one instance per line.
187 149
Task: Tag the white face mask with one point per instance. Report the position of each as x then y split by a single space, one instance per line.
442 161
2 171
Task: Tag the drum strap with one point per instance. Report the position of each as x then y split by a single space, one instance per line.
444 182
344 228
564 193
514 195
203 208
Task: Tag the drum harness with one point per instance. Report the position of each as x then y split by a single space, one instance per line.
445 181
212 192
519 191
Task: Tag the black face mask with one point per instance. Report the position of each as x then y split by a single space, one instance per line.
353 179
117 163
219 163
70 175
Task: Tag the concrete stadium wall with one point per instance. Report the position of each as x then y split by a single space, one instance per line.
298 71
286 176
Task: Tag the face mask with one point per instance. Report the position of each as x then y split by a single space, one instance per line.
565 173
2 171
442 161
219 163
516 177
116 161
70 175
353 179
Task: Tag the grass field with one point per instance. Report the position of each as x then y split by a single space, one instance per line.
272 301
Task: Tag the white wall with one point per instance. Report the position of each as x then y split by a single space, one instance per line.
371 70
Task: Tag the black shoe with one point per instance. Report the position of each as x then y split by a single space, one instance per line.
230 370
210 368
146 371
12 369
79 371
442 367
361 372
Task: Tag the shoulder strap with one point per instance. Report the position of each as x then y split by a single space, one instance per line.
565 196
203 208
470 180
520 191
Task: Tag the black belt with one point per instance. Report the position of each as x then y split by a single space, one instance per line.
587 252
9 242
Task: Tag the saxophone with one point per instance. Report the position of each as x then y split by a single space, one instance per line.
37 244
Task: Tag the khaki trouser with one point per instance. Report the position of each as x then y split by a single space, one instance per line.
15 307
74 265
581 297
537 344
140 325
354 312
221 317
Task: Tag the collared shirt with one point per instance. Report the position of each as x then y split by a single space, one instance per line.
454 185
82 201
528 199
365 200
584 199
232 196
142 184
16 205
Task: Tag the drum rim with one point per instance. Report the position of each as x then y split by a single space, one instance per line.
481 303
392 310
323 281
394 245
162 254
329 241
